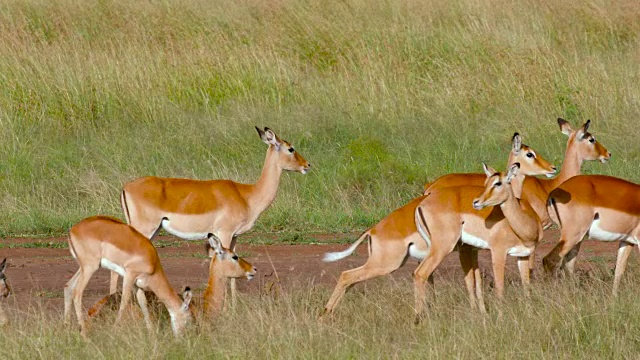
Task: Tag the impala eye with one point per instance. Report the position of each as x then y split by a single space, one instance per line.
291 149
530 155
235 257
592 140
497 184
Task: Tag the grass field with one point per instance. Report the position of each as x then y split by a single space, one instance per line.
560 320
378 97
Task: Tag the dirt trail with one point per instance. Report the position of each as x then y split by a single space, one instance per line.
38 275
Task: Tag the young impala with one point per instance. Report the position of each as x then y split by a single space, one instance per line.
192 209
396 235
106 242
5 291
224 264
605 207
500 223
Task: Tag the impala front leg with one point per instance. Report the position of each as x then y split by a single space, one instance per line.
499 258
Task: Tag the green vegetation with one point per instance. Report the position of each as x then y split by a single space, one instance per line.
560 320
379 98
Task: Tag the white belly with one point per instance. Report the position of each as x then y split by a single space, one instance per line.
597 233
166 224
105 263
474 241
520 251
417 253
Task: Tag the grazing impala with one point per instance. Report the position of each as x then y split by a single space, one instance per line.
605 207
581 146
5 291
192 209
106 242
224 264
501 223
396 235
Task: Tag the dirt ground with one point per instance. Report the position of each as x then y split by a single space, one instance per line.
38 275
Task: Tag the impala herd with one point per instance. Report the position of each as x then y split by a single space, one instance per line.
503 212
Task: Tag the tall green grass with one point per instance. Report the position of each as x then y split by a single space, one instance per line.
379 97
560 320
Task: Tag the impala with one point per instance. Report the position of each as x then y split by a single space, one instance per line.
106 242
396 235
5 291
581 146
224 264
605 207
500 223
192 209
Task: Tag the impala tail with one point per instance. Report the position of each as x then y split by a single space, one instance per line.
335 256
552 208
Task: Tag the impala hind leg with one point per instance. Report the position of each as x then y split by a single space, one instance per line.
422 274
570 236
469 262
68 296
624 250
382 261
78 291
127 290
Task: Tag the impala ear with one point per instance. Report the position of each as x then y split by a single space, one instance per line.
582 132
488 170
215 245
513 171
187 296
565 127
270 138
516 143
3 265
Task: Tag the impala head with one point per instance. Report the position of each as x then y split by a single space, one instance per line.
288 158
497 187
531 163
584 143
227 262
181 318
5 289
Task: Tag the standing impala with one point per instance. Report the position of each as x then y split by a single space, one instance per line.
192 209
605 207
396 235
500 223
5 291
581 146
106 242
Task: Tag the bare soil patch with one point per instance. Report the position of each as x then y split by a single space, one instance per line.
38 275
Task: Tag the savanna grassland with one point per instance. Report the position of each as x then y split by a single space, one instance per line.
380 97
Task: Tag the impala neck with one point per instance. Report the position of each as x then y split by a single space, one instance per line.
160 286
523 224
516 184
216 289
265 190
570 167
